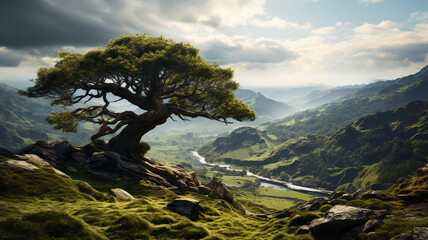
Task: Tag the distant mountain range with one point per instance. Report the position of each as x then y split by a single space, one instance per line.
22 119
277 148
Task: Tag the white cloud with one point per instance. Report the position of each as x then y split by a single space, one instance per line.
276 22
324 31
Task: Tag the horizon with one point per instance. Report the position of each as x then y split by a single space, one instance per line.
268 43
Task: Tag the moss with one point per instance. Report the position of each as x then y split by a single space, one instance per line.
325 208
47 225
45 183
396 226
376 204
302 219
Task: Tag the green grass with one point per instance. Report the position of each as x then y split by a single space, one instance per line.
51 207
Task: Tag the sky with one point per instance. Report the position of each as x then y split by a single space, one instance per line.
267 42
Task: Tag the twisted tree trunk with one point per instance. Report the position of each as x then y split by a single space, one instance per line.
127 142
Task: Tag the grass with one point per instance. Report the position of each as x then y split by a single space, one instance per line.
50 206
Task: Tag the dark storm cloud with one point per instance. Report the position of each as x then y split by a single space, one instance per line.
37 23
9 58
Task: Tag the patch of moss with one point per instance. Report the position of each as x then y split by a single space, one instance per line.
46 225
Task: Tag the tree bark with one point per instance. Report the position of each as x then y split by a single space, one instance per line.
127 142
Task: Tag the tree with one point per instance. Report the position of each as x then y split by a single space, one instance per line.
164 78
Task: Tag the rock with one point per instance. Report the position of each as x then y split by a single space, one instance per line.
54 152
370 194
337 201
353 233
204 190
347 196
5 153
311 206
418 233
304 229
340 219
120 193
39 162
337 194
184 206
80 157
72 169
358 193
219 191
381 214
371 225
19 164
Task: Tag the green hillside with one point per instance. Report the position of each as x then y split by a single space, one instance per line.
311 147
22 121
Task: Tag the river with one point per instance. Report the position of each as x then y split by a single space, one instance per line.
269 182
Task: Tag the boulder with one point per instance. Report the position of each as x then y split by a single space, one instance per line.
337 194
120 193
304 229
204 190
184 206
19 164
340 219
371 225
313 206
219 191
30 162
418 233
337 201
370 194
353 233
347 196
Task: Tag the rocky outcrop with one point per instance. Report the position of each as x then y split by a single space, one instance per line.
418 233
340 219
184 206
120 193
106 164
219 191
30 162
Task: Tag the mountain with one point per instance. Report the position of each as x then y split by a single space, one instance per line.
264 107
287 139
22 121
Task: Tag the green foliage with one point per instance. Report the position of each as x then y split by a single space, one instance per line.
157 75
64 121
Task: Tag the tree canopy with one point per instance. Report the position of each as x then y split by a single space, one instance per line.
158 75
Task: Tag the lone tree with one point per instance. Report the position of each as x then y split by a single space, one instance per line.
162 77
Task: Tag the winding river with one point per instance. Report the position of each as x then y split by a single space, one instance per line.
269 182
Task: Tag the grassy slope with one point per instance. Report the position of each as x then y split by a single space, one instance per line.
42 205
326 119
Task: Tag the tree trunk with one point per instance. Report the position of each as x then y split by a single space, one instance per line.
127 142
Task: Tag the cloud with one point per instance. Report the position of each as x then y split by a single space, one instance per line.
324 31
370 1
35 23
10 58
226 50
276 22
